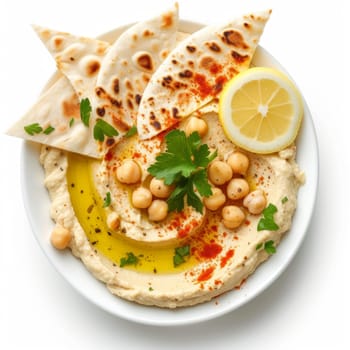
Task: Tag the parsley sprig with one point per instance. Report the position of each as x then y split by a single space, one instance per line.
184 164
32 129
267 222
85 111
36 128
130 259
181 254
102 129
107 200
269 247
132 131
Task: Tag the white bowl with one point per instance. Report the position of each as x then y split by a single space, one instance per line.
37 204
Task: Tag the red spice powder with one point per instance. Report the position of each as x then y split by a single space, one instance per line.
109 155
215 68
210 251
184 231
203 88
227 257
136 155
206 274
219 84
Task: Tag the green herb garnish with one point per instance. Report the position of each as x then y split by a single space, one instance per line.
180 255
130 259
259 246
107 200
184 164
131 132
71 122
269 247
48 130
85 111
284 200
267 222
102 129
32 129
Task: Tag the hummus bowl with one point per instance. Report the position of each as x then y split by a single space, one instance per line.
37 204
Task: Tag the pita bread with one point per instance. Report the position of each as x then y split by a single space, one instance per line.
128 66
57 108
196 70
80 59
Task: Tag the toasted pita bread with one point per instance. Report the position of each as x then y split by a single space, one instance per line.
196 70
80 59
57 110
128 66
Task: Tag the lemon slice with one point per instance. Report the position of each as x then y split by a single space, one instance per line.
261 110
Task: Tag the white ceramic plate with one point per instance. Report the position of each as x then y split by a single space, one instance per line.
37 204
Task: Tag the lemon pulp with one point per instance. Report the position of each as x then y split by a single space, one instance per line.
261 110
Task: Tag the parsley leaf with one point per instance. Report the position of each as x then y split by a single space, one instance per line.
130 259
269 247
284 200
183 164
267 222
193 200
177 197
131 132
32 129
71 122
49 130
180 255
200 180
102 129
107 201
258 246
85 111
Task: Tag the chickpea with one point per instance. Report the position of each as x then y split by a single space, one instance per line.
237 188
239 163
255 202
60 237
219 172
113 220
232 216
141 198
159 188
158 210
196 124
216 200
129 172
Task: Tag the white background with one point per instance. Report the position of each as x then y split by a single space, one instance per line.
306 308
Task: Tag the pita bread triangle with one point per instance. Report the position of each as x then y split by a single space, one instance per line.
196 70
55 119
129 65
78 58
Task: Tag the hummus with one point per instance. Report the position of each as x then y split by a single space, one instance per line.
218 260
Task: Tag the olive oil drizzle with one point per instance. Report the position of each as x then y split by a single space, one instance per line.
88 207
